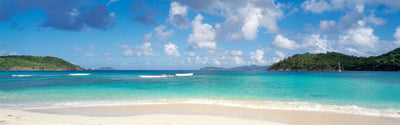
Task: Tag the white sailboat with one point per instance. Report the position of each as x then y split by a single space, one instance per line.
339 70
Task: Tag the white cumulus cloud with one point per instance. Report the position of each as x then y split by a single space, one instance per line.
359 40
128 52
177 15
249 18
171 50
319 6
315 44
159 32
238 60
144 50
244 19
236 53
200 60
396 35
316 6
374 20
283 42
257 57
203 34
280 55
360 37
191 54
225 58
327 26
251 22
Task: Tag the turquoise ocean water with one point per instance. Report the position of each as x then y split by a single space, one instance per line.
369 93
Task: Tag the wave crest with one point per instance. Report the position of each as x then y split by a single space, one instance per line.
184 74
21 75
155 76
79 74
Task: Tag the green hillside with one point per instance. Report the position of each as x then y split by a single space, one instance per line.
35 63
330 62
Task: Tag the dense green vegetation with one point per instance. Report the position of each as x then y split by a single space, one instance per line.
35 63
330 61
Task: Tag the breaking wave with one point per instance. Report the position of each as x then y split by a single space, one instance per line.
166 75
22 75
184 74
79 74
156 76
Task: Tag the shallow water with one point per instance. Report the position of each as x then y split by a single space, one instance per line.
371 93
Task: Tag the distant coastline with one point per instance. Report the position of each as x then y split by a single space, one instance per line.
105 68
330 61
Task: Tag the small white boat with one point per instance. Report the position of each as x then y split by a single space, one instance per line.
184 74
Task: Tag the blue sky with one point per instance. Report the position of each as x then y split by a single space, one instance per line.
190 34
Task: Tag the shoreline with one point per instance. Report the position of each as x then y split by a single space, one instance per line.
267 105
220 114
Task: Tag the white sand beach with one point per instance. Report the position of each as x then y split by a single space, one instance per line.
19 117
182 114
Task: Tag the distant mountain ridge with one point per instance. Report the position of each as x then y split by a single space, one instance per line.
240 68
330 62
35 63
210 68
105 68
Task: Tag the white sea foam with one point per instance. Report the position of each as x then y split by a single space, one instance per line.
34 75
21 75
79 74
274 105
155 76
300 106
184 74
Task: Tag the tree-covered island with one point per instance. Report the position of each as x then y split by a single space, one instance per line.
331 61
35 63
